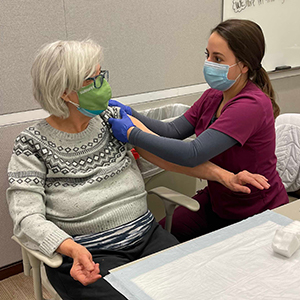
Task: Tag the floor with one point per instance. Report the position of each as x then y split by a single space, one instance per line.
18 287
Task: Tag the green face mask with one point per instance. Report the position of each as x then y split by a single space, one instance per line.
93 101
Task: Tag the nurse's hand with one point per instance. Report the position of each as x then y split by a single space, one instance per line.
127 109
121 126
238 181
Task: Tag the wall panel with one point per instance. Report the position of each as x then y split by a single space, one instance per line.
148 45
24 27
10 250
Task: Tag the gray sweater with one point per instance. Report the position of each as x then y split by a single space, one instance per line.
64 184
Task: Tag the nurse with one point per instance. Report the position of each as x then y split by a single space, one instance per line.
234 125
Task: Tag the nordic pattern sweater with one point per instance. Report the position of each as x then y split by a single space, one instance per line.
64 184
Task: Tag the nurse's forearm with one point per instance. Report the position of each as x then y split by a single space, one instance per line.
212 172
207 170
140 125
180 128
210 143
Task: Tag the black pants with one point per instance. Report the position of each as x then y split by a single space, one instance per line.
155 239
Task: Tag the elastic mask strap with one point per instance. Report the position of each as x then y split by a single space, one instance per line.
75 104
233 65
238 77
239 74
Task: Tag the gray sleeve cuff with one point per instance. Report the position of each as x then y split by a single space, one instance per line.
52 242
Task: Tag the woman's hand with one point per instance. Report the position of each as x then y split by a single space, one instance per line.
237 182
120 126
126 108
84 269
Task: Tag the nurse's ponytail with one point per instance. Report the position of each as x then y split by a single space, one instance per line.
245 38
261 78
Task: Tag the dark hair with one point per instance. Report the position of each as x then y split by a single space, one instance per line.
246 40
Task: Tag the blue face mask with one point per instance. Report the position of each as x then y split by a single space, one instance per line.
216 75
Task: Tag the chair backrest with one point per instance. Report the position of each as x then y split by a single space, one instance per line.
288 150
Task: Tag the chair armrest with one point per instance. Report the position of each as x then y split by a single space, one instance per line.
53 262
171 199
175 197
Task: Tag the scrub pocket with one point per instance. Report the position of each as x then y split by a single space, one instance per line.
239 206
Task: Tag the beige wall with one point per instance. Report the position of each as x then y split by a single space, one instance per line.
148 46
288 94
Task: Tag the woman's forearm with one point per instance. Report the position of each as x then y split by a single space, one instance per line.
192 153
207 170
212 172
179 128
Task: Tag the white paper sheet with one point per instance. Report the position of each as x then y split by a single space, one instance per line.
242 266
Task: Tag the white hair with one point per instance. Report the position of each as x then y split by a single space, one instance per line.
61 67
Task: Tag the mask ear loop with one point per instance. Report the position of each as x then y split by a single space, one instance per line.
238 77
75 104
236 64
69 101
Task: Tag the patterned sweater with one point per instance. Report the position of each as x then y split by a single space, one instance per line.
64 184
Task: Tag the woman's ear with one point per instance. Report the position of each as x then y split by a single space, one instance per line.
245 69
65 97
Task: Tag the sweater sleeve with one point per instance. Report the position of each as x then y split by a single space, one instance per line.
180 128
207 145
26 202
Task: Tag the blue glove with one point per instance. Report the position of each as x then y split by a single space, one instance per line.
121 126
127 109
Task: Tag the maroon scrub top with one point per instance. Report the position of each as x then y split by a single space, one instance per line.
248 118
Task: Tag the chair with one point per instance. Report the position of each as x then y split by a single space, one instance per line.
33 260
288 152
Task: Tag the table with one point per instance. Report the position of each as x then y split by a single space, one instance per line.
236 262
291 210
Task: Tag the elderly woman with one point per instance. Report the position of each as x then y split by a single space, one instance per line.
74 188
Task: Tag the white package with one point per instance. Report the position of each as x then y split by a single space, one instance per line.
286 240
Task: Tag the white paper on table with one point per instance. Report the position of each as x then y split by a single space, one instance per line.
242 266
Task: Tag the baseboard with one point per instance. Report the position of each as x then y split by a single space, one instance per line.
10 270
